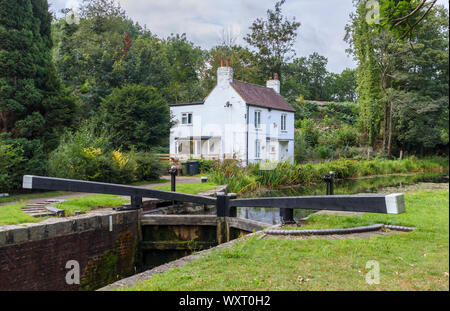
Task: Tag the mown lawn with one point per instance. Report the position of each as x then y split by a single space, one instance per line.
417 260
27 196
90 202
12 214
191 188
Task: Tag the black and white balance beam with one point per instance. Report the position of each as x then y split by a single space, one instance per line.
61 184
369 203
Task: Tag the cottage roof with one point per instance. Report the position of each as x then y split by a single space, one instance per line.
261 96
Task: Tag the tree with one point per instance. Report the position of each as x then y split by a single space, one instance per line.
401 17
33 103
274 39
90 55
184 62
406 80
243 61
135 116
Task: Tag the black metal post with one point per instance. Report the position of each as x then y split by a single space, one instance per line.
173 171
331 183
329 179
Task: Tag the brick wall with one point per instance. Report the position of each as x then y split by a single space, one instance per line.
34 257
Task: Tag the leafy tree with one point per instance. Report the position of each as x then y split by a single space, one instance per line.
345 86
274 39
243 61
184 61
135 116
401 17
33 102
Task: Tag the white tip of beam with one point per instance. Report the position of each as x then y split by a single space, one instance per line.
395 203
27 182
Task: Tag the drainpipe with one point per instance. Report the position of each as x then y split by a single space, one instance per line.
248 117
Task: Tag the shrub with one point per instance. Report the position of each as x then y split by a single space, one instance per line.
149 167
18 157
207 165
85 155
12 163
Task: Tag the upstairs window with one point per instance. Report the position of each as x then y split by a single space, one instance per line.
257 119
283 122
186 118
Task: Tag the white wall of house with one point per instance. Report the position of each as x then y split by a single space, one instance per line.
223 118
270 135
214 119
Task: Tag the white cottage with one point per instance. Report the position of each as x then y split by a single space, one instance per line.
239 120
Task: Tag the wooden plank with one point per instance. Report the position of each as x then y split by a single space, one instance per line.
52 183
184 220
246 224
176 245
370 203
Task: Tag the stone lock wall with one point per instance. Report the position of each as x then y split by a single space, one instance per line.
34 256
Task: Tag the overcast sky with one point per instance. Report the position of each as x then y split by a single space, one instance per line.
321 30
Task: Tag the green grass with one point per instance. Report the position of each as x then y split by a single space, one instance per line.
27 196
12 214
418 260
149 182
87 203
191 188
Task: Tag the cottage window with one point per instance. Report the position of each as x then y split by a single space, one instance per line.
179 147
257 149
186 118
283 122
257 119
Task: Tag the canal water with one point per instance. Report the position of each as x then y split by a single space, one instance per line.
348 186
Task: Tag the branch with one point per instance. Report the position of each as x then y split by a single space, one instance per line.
419 20
402 19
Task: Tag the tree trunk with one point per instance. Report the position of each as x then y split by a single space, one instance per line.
385 125
4 119
390 130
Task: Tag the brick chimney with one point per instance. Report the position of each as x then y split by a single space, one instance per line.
274 83
224 73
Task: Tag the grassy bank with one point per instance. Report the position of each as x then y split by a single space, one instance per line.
90 202
12 214
253 177
191 188
27 196
417 260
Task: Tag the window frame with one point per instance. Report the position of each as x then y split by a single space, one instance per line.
255 123
257 149
187 115
284 122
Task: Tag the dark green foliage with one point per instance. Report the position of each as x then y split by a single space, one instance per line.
207 166
274 39
309 78
136 116
33 104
